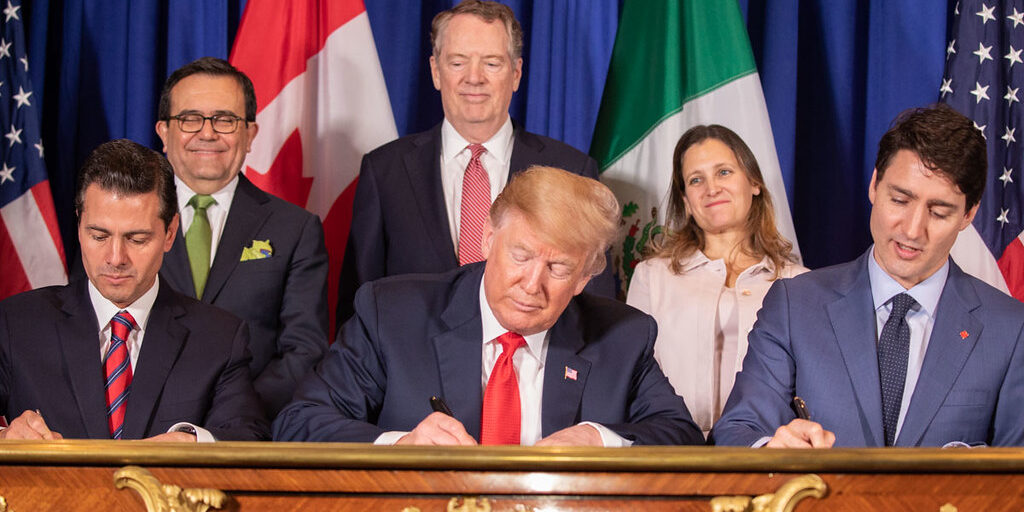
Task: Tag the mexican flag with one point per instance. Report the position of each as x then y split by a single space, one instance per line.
676 65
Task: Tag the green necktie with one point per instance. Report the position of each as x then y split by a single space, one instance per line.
198 240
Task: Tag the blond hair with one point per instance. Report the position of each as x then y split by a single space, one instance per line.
566 210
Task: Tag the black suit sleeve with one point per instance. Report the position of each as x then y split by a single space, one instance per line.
235 413
366 249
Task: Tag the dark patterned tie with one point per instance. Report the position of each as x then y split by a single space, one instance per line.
501 413
893 352
117 368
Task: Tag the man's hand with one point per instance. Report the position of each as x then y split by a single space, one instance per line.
29 425
576 435
438 429
173 437
802 434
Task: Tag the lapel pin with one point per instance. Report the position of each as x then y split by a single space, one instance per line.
964 335
570 374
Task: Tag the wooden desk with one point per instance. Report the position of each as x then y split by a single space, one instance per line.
80 475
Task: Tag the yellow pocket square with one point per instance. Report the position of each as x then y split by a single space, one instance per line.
257 251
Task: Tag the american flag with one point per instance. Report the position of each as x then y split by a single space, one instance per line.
31 252
984 80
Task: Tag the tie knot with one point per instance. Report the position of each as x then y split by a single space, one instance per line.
476 150
510 342
901 304
201 202
122 324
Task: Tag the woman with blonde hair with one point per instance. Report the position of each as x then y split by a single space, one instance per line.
706 277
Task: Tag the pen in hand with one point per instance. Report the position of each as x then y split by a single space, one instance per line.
438 405
801 408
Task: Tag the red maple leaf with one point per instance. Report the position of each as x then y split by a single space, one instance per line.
284 179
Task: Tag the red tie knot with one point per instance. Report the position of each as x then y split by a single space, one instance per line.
510 342
122 324
477 150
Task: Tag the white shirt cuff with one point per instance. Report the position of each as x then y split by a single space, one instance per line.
202 435
761 442
389 438
608 438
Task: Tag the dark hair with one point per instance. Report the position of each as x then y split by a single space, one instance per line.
684 236
945 140
489 11
128 168
208 66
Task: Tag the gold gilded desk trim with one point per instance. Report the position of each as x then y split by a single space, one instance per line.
512 458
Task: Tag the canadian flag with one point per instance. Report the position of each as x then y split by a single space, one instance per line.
323 104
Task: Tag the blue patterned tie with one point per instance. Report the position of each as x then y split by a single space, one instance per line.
893 352
117 368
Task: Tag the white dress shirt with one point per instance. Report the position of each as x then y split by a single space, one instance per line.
702 324
140 309
920 318
454 159
216 214
529 365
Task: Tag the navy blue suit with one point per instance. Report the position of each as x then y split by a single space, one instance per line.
399 219
193 367
283 298
419 335
815 338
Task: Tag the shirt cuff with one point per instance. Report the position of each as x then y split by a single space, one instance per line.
202 435
608 438
761 442
389 438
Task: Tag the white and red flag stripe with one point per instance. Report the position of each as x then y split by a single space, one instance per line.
323 104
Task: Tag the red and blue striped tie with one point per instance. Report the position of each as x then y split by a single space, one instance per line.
117 368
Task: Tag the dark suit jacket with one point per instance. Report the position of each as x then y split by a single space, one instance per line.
815 338
399 220
193 367
419 335
282 298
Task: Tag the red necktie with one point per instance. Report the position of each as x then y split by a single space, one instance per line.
476 203
500 418
117 369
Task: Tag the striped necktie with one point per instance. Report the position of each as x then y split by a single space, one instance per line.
476 203
117 369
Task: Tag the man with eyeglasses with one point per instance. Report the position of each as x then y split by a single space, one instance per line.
239 248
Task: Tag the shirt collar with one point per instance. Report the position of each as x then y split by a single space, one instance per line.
105 310
492 328
498 146
926 293
699 259
222 196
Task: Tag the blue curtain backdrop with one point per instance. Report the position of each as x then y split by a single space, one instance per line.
834 72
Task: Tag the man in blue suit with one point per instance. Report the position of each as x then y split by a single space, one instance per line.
239 248
511 344
899 347
407 214
121 355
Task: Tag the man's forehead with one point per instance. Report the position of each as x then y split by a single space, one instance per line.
192 90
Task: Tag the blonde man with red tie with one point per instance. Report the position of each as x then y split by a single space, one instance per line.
513 347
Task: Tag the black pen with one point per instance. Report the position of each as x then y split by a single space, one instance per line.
438 405
801 408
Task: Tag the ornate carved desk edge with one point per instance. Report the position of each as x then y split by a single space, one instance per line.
784 499
160 497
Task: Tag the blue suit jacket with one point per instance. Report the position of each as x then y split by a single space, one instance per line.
419 335
193 367
815 338
399 220
283 298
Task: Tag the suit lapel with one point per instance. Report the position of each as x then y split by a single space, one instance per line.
161 345
945 357
423 170
459 351
562 395
81 351
526 150
175 269
245 217
853 321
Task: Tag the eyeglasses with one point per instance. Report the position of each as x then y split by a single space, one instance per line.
221 123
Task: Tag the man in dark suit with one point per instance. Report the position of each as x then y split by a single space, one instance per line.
510 344
121 355
409 210
239 248
899 347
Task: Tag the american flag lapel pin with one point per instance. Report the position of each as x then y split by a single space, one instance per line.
570 374
964 335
